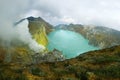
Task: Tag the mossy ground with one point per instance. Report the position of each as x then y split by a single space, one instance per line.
94 65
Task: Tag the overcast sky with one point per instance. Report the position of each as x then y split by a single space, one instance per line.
96 12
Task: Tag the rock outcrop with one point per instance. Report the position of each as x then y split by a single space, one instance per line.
39 29
98 36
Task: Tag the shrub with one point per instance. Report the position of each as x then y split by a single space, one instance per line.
38 72
112 71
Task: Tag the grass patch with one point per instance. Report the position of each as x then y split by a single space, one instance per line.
38 72
105 59
112 71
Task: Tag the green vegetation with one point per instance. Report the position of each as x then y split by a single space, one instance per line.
95 65
111 71
105 59
8 74
37 71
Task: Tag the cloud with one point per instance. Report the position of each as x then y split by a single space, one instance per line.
102 12
68 20
24 35
11 12
96 12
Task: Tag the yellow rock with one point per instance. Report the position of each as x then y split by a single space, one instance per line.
38 32
40 36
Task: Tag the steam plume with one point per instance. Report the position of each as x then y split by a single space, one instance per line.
25 36
12 11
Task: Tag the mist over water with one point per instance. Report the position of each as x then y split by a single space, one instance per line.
71 44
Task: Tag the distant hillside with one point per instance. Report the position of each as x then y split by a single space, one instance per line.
99 36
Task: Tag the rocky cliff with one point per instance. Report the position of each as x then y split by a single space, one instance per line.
17 51
39 29
99 36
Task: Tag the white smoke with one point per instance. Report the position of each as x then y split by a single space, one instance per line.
23 31
10 12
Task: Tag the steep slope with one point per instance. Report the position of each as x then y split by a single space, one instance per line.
39 22
19 51
95 65
99 36
38 29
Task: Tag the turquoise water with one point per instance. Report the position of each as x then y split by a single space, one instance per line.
71 44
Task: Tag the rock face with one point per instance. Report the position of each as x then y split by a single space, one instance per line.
39 29
98 36
52 56
17 51
38 22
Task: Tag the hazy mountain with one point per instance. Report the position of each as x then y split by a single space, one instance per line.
99 36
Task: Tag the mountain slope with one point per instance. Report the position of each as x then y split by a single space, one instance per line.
99 36
20 51
95 65
38 22
39 29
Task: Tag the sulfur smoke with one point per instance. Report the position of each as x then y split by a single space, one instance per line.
12 11
24 35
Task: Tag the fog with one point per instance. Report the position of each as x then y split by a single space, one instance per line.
95 12
11 12
24 35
